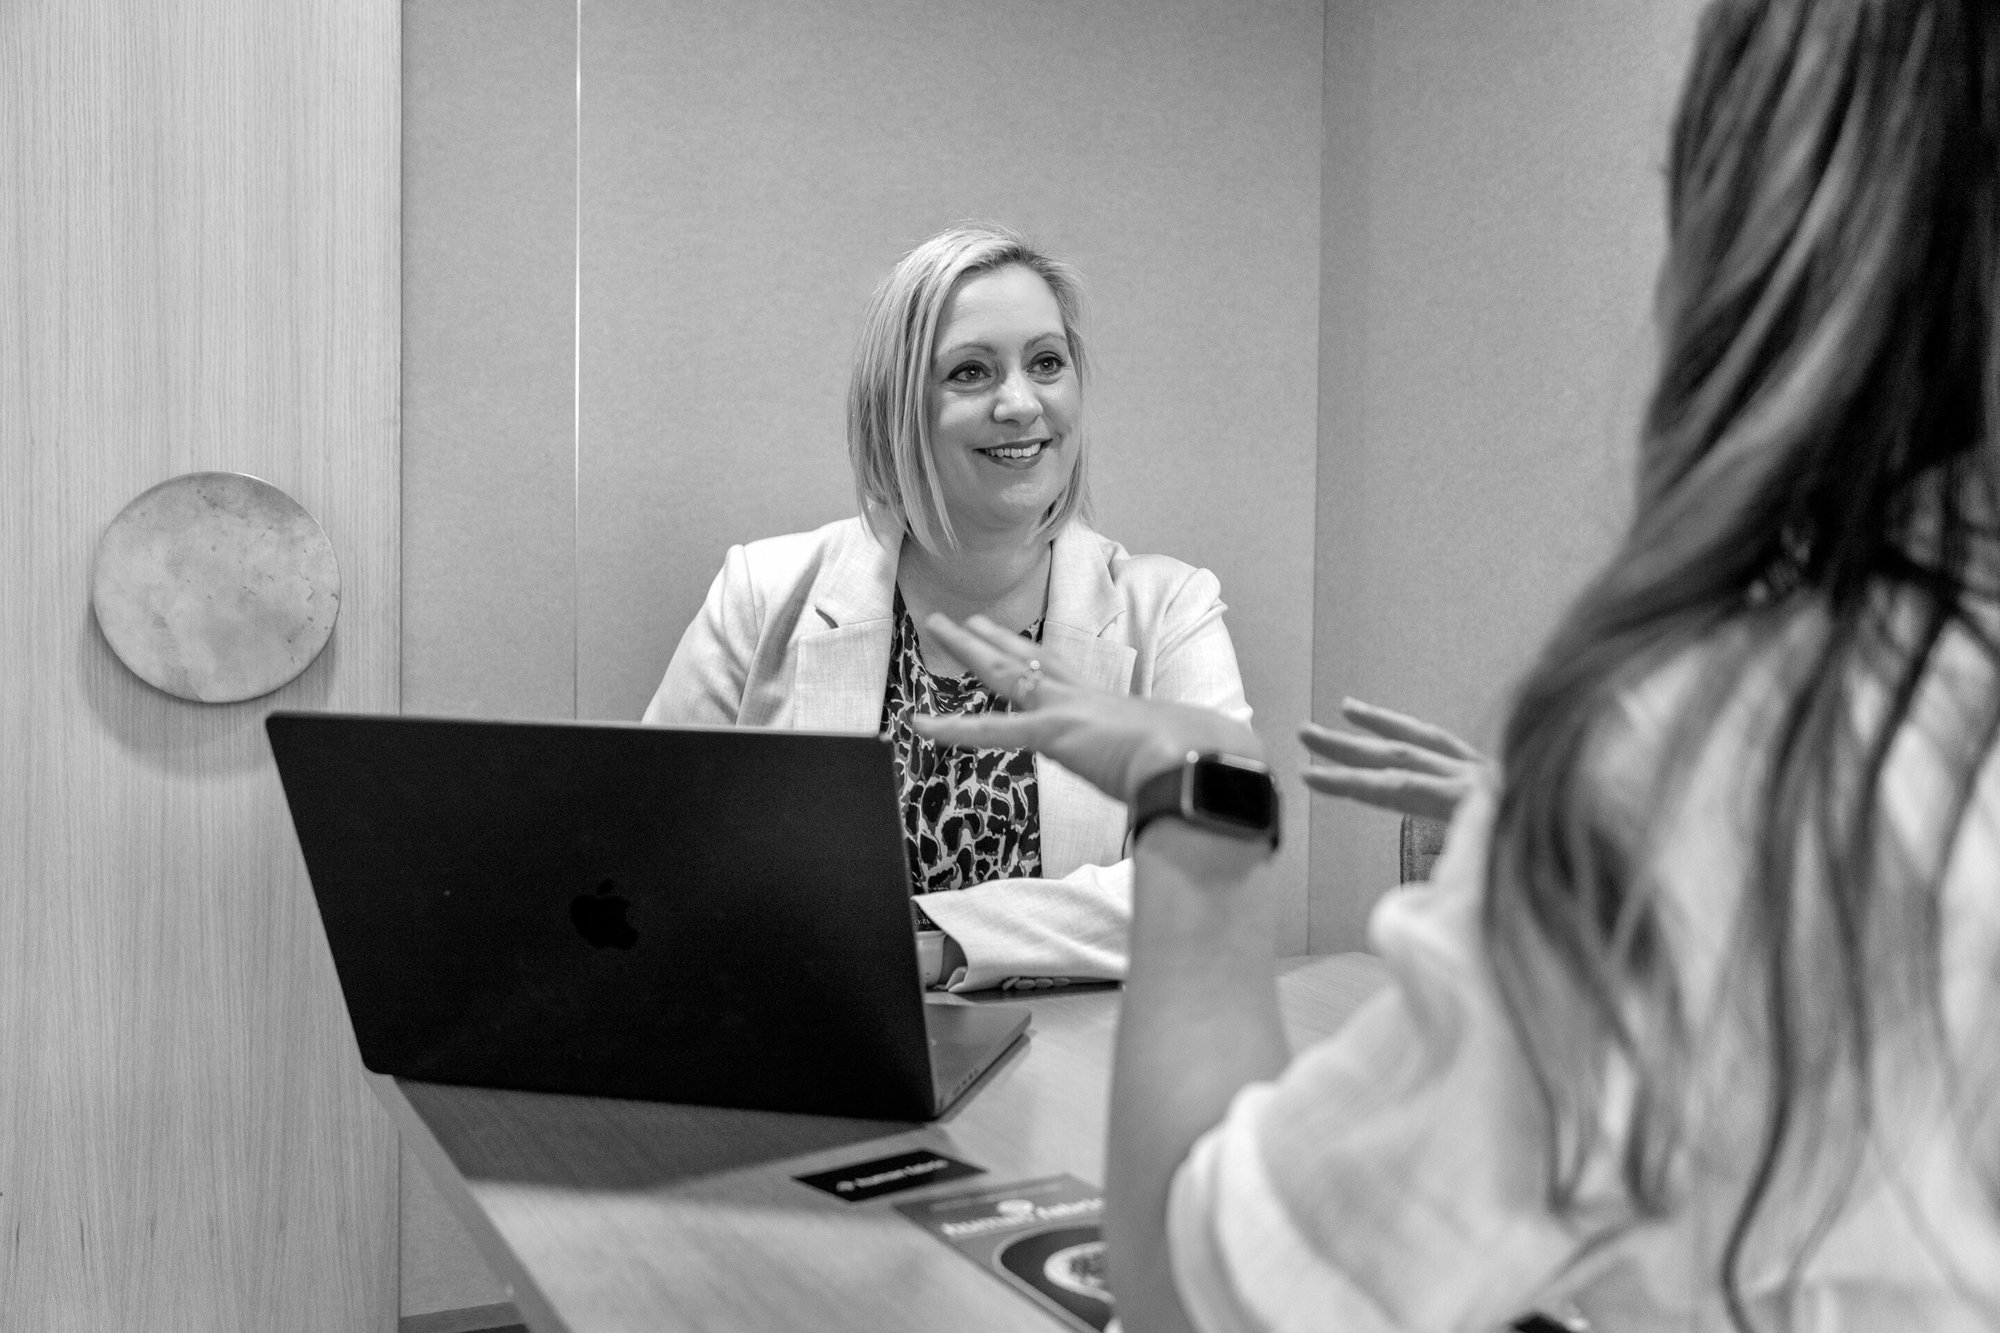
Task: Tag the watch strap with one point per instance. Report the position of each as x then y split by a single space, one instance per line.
1165 793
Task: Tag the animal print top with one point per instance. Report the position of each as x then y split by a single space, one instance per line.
969 816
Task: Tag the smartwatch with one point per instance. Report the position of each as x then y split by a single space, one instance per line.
1222 793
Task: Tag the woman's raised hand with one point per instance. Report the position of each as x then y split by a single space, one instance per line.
1406 765
1113 741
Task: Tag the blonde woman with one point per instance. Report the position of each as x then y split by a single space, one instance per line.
1695 1025
965 435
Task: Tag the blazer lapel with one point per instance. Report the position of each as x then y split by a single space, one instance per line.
1084 609
842 665
1080 824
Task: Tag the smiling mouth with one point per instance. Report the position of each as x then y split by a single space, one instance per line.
1017 453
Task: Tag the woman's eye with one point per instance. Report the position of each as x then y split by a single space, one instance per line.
967 374
1048 363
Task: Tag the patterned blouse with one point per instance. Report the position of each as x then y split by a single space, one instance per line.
969 816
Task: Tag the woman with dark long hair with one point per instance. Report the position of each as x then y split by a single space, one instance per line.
1695 1025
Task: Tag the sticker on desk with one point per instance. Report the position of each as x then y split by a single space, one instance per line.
889 1175
1042 1237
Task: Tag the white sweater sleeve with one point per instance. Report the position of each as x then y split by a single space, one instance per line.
1392 1177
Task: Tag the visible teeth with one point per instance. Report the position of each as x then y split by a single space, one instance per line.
1019 451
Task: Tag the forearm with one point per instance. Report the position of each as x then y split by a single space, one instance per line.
1199 1021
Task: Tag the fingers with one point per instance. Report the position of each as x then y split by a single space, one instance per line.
1344 747
1395 790
979 642
997 669
991 731
1405 765
978 731
1402 727
1005 642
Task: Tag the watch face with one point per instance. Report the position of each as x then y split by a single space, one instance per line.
1234 793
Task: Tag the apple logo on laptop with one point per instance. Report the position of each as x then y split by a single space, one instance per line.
600 918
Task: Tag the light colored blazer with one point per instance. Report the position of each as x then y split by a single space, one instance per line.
796 632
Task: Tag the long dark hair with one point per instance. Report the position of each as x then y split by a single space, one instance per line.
1815 508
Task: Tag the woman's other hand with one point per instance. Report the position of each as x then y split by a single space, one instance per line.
1406 765
1113 741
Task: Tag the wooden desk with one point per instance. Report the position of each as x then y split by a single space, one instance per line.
604 1216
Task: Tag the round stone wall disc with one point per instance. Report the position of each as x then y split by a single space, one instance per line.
215 587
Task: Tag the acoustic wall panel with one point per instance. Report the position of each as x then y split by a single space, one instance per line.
750 172
1492 225
489 350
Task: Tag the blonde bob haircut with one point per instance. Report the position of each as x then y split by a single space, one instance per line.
888 398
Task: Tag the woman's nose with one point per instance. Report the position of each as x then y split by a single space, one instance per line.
1017 399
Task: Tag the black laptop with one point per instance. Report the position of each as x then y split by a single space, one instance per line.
713 916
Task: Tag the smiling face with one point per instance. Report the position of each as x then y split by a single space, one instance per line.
1004 403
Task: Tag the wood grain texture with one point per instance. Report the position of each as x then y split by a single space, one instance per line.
198 256
605 1215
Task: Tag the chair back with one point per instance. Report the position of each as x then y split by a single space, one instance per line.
1420 840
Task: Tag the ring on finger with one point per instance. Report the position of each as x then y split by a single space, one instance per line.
1028 682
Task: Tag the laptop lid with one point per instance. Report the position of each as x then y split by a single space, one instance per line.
714 916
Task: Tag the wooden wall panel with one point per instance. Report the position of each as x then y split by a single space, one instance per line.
197 270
